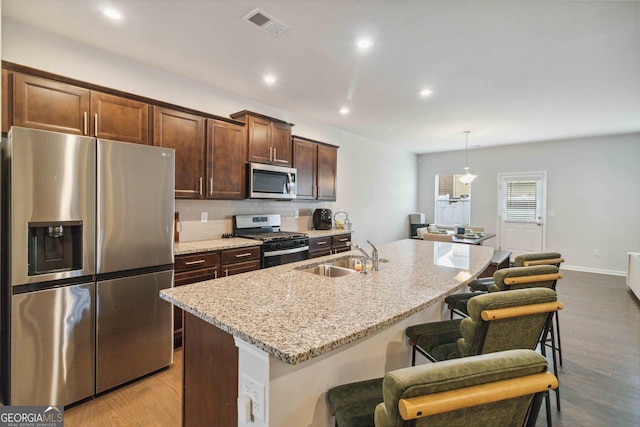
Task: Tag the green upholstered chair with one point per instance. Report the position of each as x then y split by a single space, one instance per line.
498 389
481 332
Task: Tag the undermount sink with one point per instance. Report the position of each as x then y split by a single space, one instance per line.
329 270
336 268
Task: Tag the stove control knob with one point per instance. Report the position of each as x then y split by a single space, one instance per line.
277 245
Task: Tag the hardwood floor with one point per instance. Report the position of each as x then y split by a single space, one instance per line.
600 331
600 379
152 401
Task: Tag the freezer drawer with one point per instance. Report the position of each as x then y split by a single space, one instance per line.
52 346
134 328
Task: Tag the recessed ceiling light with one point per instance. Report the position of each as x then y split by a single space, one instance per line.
270 80
113 14
365 43
344 110
426 92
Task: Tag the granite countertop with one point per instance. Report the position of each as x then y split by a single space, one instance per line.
323 233
185 248
294 315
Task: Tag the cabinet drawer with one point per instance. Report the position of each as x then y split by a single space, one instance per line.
193 276
196 261
319 243
340 241
320 252
240 267
230 256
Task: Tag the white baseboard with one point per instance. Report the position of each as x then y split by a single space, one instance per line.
593 270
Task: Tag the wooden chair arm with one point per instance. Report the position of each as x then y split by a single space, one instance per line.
521 310
452 400
531 279
551 261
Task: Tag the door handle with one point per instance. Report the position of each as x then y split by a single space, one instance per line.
95 119
84 123
211 186
200 184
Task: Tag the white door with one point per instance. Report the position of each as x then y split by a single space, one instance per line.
521 212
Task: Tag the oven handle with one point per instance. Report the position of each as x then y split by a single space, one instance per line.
285 251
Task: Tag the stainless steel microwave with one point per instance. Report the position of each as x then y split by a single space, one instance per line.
271 182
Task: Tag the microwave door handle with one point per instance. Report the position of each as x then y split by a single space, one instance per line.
288 184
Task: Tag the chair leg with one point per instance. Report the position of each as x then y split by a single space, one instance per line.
555 365
557 319
548 409
413 355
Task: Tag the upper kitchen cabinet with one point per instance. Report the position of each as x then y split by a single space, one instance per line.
226 156
46 104
269 139
49 105
316 163
185 133
7 77
119 119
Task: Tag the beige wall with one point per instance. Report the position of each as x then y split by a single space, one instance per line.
592 187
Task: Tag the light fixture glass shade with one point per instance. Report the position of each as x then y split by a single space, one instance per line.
467 178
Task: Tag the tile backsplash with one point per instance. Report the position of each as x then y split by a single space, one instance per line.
220 215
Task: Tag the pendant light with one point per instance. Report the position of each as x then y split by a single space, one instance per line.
467 177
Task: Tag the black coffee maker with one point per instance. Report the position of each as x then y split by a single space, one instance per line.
322 219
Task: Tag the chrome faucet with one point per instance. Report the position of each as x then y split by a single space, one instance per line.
373 258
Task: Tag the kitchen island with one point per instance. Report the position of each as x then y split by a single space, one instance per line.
285 335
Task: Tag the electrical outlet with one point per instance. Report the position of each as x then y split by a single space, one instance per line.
255 391
204 216
296 214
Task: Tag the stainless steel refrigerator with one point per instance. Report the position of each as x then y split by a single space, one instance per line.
87 245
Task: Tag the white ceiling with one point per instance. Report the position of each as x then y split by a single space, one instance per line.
508 71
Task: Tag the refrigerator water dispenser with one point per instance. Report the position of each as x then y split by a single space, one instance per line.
54 246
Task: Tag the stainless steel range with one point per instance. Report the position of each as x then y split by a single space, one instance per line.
278 247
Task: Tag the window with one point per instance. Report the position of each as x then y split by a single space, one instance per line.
521 201
452 204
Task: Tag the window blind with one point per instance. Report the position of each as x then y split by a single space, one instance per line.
521 201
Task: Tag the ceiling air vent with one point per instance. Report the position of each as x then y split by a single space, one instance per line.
266 23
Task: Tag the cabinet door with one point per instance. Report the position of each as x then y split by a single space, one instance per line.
281 144
184 133
340 243
305 160
259 136
226 160
45 104
7 100
119 119
327 172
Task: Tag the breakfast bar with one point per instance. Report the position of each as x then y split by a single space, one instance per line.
263 347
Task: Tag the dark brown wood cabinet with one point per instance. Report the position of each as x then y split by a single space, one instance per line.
316 163
327 172
188 269
327 245
7 99
340 243
185 133
268 139
240 260
120 119
320 246
305 160
226 157
41 103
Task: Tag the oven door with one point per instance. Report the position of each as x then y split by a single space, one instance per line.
285 256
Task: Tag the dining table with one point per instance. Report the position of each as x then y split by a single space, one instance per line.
477 240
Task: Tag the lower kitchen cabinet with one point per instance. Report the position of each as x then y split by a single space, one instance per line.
341 243
321 246
236 261
192 268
